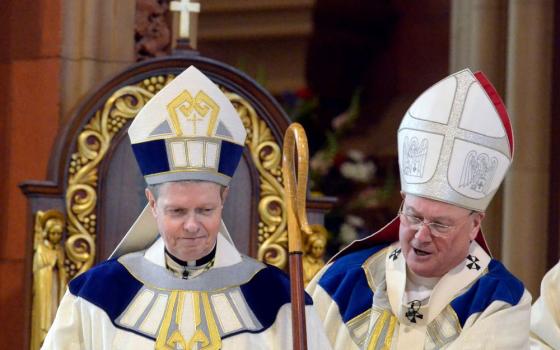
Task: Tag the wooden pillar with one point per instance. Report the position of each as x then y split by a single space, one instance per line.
29 113
53 52
98 41
478 41
554 205
529 68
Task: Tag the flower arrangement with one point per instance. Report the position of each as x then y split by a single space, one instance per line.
366 186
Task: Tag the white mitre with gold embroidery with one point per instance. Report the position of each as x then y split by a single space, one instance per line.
188 131
455 142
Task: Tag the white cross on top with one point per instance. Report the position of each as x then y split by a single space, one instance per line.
184 7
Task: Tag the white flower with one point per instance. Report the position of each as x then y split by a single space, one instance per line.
356 155
361 172
347 233
354 220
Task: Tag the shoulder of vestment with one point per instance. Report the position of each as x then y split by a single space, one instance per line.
497 284
267 292
346 283
108 285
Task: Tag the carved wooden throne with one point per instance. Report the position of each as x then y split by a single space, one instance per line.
95 189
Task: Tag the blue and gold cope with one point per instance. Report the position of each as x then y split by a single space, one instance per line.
133 306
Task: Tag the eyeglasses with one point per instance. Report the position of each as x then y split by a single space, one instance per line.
436 229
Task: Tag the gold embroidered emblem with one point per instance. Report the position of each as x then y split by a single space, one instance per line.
170 336
194 110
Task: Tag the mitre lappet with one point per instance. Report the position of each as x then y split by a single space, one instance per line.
188 131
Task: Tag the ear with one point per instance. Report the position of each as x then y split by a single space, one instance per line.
225 194
477 222
403 195
151 201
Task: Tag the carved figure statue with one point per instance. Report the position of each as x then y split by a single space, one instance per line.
49 277
315 250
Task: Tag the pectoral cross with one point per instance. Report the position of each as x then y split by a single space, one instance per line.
185 8
412 314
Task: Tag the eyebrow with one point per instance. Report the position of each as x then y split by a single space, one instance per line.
172 207
204 205
437 219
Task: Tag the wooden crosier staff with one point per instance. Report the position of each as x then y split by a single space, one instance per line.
295 194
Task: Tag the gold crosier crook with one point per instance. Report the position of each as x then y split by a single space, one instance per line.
295 193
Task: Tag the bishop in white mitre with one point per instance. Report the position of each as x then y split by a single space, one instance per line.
427 279
177 281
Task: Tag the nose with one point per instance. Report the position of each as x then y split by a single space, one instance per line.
423 233
191 224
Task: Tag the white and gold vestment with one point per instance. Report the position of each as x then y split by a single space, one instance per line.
545 313
134 302
477 305
455 145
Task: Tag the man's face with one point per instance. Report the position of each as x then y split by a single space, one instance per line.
188 216
426 254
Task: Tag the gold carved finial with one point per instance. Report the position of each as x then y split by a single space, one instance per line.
49 276
312 241
295 184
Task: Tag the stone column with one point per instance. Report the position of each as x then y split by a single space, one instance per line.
98 41
529 69
478 41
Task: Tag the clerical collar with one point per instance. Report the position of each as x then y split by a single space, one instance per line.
417 280
418 288
199 262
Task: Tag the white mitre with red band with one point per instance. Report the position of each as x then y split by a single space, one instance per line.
455 142
455 146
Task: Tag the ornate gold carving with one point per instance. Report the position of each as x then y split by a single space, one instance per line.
267 156
272 235
92 145
49 276
77 253
95 139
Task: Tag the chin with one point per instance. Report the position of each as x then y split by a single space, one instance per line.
187 254
423 270
427 274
